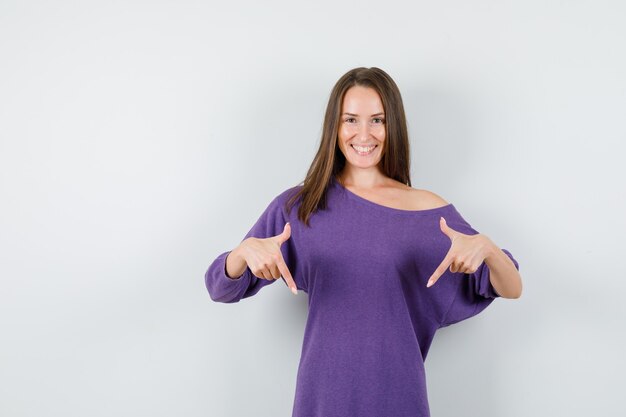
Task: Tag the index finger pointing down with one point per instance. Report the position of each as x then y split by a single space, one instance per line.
284 272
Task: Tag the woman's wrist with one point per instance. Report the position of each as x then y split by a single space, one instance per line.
235 263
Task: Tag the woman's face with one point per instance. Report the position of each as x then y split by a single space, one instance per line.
362 127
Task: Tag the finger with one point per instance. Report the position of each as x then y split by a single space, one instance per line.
286 234
469 269
267 272
275 271
454 266
460 265
259 268
282 266
264 273
440 270
443 225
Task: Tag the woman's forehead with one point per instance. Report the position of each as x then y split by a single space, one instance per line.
360 99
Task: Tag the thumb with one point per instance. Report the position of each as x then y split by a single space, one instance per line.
445 228
286 234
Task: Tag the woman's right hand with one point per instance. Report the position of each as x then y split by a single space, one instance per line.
264 258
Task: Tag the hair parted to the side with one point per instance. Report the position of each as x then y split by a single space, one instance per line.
329 160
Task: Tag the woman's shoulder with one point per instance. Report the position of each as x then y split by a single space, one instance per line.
409 197
429 198
420 199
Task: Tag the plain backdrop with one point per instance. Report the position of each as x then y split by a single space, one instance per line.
140 139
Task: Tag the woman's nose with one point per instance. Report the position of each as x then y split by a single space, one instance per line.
365 129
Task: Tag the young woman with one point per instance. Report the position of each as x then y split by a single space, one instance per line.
384 265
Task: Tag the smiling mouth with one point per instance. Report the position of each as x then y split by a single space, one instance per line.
364 150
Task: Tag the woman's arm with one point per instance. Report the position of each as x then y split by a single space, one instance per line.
235 264
503 274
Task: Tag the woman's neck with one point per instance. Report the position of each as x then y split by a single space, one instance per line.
362 178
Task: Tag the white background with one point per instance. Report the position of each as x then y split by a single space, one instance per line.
140 139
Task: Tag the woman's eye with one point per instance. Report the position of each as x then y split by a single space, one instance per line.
349 120
380 120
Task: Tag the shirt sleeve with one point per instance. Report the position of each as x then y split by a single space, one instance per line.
474 291
223 289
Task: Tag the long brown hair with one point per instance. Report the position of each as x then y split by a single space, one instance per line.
329 160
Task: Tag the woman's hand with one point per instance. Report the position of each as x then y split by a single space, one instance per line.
264 258
465 255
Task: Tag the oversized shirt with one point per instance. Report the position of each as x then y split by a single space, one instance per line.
371 318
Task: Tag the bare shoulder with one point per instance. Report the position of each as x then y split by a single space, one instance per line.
430 197
420 199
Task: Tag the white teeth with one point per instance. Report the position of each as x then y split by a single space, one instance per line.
362 149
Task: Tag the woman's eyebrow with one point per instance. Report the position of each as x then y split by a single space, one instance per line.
352 114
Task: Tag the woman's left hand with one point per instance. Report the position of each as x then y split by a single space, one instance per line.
465 255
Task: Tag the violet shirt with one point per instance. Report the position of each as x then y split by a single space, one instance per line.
371 318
